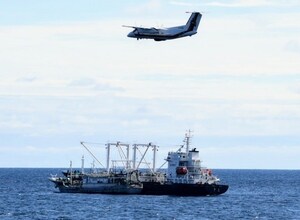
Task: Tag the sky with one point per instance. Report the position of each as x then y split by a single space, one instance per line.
69 74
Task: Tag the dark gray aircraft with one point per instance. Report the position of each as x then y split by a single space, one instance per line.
189 29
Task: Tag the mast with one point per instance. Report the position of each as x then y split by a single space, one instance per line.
71 174
134 155
187 141
119 145
154 157
107 158
127 155
143 154
82 164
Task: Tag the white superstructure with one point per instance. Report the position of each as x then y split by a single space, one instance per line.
185 167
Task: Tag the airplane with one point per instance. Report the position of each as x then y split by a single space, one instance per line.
189 29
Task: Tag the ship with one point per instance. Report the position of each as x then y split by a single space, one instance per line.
102 183
184 176
114 180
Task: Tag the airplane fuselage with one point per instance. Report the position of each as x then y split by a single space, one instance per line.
160 34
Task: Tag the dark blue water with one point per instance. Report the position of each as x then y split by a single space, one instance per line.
253 194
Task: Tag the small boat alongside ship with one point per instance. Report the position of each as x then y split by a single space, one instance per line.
184 175
102 182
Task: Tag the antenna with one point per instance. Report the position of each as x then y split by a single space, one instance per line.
188 136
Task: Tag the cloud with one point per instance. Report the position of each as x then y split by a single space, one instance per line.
14 123
27 79
253 3
293 46
287 21
226 157
182 3
240 3
96 84
232 78
150 5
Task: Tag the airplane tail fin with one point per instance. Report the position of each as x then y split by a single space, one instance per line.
193 22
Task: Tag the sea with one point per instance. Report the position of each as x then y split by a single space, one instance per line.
252 194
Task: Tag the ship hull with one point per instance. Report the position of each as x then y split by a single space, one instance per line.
100 189
149 188
154 188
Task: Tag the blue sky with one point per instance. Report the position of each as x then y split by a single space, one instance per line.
70 74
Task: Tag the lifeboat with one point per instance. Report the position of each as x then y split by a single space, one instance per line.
181 170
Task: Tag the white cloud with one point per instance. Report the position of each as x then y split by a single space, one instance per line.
150 5
293 46
253 3
241 3
228 4
182 3
253 156
235 77
14 124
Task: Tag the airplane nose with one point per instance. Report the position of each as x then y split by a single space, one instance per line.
131 34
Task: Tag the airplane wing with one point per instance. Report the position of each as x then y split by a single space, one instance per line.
143 29
140 28
128 26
